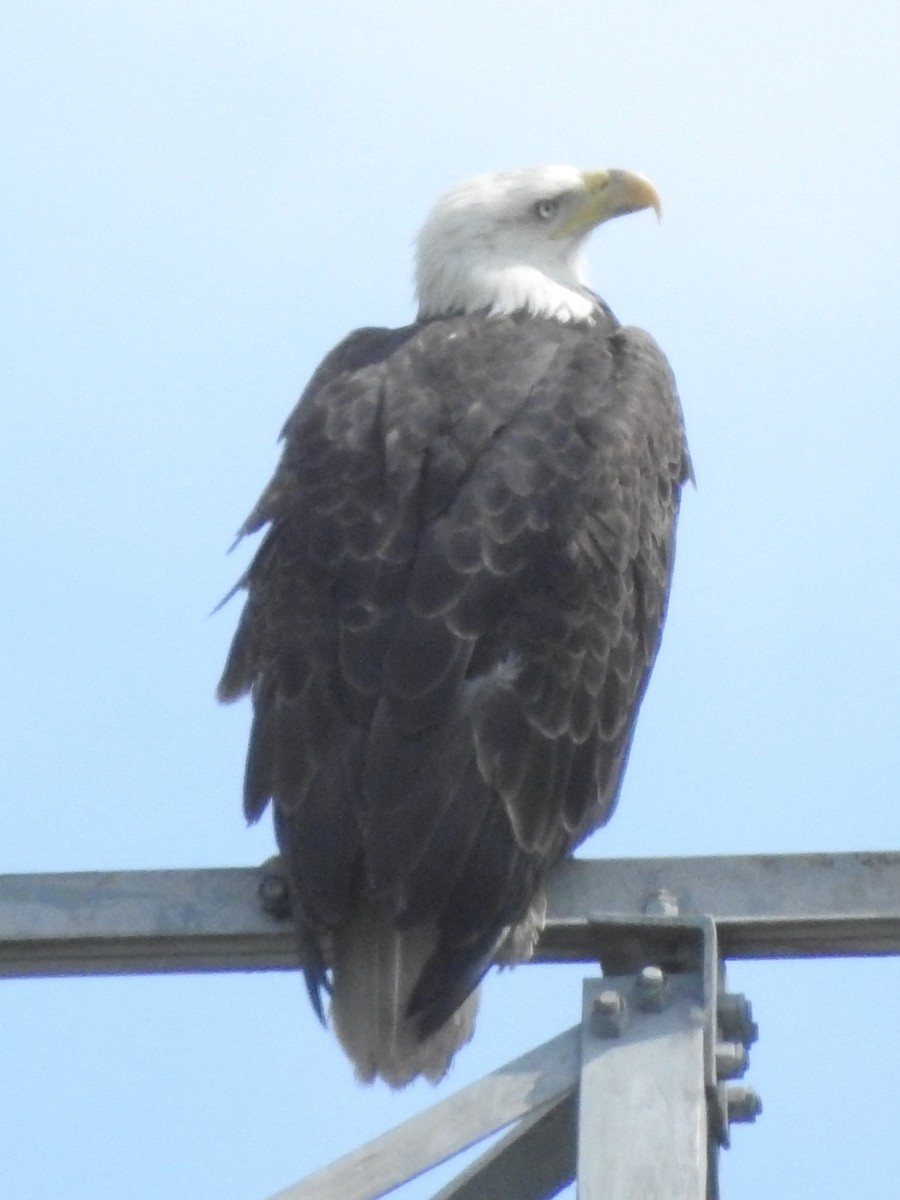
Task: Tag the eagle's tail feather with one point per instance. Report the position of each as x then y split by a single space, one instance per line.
375 968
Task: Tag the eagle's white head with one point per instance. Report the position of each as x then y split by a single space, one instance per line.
513 241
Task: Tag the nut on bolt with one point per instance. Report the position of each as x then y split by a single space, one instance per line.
650 989
736 1018
661 903
731 1060
744 1104
609 1013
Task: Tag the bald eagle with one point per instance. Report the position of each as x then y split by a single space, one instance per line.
454 611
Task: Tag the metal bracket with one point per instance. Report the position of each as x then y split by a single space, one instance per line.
658 1050
642 1113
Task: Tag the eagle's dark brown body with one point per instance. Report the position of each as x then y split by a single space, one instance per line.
449 627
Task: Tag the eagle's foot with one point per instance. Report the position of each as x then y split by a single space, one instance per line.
273 891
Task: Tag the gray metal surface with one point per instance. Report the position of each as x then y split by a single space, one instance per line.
642 1124
765 906
534 1161
134 922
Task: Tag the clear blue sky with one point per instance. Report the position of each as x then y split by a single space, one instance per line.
199 200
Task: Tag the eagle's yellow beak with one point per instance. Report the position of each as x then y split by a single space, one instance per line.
610 194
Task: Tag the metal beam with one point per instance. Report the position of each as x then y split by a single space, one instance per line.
536 1159
139 922
765 906
642 1096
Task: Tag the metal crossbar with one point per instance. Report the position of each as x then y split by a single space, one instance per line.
764 906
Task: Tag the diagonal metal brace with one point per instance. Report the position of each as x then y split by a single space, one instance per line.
530 1085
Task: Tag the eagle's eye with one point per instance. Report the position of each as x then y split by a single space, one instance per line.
545 209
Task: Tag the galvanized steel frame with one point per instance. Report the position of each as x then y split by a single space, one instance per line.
634 1101
142 922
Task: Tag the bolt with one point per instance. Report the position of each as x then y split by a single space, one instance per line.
274 896
736 1018
744 1104
650 987
609 1013
661 904
731 1060
608 1003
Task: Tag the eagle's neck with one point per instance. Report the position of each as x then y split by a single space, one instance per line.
511 290
545 281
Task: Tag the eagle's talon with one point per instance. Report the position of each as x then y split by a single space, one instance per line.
275 896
